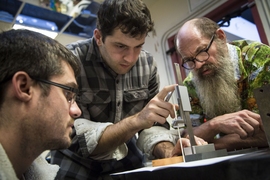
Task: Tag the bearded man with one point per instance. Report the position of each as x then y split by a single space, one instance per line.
221 82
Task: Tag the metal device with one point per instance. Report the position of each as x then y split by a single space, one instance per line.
168 96
262 96
193 152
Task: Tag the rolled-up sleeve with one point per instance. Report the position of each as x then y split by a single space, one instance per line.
148 138
89 133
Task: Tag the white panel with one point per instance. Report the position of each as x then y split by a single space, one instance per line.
182 90
197 4
263 7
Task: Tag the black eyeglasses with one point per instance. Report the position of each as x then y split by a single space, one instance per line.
189 63
70 93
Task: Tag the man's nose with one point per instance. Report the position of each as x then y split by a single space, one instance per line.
130 55
199 64
74 110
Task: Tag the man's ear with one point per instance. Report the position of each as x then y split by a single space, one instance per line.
98 37
22 85
221 35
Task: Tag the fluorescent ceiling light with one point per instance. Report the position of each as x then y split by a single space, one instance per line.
50 34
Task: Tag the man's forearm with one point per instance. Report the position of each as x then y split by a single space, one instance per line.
117 134
234 142
206 131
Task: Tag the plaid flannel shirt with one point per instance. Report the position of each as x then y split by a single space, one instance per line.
106 98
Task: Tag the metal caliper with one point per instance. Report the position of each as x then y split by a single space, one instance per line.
194 152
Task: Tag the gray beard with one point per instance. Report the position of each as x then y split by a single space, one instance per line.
218 91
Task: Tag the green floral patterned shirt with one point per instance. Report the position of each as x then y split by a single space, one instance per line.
251 71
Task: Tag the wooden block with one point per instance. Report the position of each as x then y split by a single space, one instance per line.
166 161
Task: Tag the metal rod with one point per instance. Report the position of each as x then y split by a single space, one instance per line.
18 12
184 114
178 74
66 25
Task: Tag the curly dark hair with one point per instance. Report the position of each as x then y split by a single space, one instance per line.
131 16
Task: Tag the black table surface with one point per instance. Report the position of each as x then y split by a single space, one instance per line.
250 166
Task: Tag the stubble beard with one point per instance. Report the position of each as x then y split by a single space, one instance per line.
56 144
218 92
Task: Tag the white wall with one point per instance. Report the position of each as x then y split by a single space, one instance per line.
67 38
4 26
264 12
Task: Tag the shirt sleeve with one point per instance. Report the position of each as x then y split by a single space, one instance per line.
150 137
255 63
89 133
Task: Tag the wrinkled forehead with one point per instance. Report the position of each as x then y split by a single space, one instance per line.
187 41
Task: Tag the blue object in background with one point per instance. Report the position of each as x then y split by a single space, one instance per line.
35 22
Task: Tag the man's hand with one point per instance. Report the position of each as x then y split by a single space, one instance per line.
157 110
167 149
234 142
244 123
177 151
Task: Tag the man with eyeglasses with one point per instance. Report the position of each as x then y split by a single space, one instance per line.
221 82
37 108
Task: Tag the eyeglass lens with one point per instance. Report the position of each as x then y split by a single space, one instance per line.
201 57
